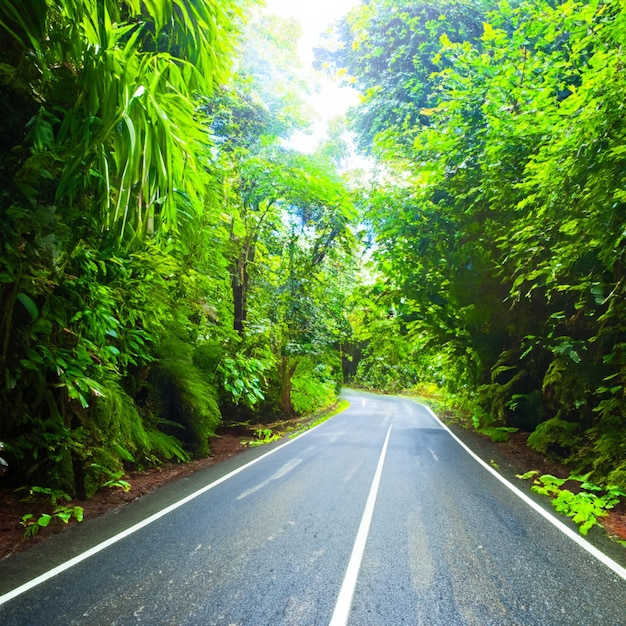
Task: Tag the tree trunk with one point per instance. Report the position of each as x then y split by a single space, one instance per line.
287 372
240 284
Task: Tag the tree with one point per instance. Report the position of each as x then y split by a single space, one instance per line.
103 170
388 50
287 212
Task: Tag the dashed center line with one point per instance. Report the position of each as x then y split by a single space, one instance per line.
283 471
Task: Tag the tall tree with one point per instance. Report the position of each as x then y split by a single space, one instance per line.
388 50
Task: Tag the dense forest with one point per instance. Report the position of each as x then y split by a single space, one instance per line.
168 263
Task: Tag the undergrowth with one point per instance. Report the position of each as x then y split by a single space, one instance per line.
585 505
33 523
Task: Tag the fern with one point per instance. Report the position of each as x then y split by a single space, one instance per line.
188 395
167 447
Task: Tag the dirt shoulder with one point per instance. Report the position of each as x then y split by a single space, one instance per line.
514 457
227 442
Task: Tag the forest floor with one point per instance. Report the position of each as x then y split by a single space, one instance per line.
509 458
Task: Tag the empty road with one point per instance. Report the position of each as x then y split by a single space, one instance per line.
377 517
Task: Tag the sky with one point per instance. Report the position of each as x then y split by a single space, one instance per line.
316 16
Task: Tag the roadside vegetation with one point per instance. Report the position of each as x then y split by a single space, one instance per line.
168 265
499 265
165 263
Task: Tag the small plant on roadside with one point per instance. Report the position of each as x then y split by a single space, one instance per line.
34 523
114 479
584 507
263 436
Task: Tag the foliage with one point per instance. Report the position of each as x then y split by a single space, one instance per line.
556 437
241 377
388 50
115 419
289 241
166 447
584 506
187 397
103 161
114 479
314 386
163 256
263 436
497 433
118 133
498 219
33 523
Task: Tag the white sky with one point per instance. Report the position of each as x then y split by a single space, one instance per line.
316 16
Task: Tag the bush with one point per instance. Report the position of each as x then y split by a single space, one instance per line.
555 437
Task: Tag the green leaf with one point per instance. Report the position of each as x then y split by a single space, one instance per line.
527 475
64 515
44 520
29 305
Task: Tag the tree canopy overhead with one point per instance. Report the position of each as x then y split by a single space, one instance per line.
388 50
168 262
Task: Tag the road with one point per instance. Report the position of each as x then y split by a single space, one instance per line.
377 517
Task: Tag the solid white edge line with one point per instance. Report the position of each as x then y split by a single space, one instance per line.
574 536
132 529
346 593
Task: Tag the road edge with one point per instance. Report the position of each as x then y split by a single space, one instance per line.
557 523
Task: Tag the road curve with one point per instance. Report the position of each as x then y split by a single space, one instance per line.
377 517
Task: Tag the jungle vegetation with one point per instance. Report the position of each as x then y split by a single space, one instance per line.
499 212
167 263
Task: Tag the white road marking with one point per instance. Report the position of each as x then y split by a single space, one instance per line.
573 535
132 529
346 593
283 471
434 455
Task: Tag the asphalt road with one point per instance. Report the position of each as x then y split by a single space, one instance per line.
375 518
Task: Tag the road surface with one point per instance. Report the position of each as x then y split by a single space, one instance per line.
377 517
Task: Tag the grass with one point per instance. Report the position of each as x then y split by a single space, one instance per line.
295 426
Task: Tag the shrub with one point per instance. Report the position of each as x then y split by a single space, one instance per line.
555 437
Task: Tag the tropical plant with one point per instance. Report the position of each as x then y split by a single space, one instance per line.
102 161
